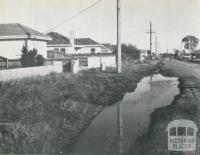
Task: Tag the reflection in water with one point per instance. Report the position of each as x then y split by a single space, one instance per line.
100 138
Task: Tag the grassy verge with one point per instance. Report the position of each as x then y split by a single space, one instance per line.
44 114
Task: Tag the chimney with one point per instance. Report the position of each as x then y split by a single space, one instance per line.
72 37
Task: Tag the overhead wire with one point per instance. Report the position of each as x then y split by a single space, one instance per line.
74 16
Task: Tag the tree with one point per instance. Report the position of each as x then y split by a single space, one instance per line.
40 60
190 42
129 52
24 57
176 53
31 58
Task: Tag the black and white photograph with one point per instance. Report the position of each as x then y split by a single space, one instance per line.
100 77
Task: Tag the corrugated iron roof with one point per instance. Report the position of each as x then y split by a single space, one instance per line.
61 39
85 41
57 39
16 29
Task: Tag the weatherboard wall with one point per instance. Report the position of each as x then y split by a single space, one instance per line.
11 49
41 47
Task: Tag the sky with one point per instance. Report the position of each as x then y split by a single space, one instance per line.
171 19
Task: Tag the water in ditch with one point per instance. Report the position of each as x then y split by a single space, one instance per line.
100 137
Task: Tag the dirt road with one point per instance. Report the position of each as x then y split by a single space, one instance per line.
182 69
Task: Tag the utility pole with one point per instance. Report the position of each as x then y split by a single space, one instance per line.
150 38
118 37
156 45
150 42
119 117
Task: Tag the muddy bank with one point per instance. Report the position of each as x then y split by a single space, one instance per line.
186 105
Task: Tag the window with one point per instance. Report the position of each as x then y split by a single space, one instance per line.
56 49
92 50
181 131
63 50
190 131
83 62
173 131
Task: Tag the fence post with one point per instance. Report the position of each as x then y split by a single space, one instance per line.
53 55
7 64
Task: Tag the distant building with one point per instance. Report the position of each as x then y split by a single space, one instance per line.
14 36
108 45
143 55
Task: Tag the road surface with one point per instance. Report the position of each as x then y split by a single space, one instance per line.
182 69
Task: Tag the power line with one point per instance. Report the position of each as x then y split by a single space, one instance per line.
75 15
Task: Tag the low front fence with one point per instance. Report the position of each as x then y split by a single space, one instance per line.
65 62
10 63
18 73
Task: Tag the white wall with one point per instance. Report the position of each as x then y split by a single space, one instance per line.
19 73
41 47
12 49
87 50
75 66
68 49
83 49
108 61
93 62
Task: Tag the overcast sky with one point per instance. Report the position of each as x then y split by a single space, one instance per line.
171 19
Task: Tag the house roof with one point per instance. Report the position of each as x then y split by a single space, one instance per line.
16 31
85 41
57 39
61 39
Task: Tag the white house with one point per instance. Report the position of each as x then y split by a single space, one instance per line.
89 46
65 45
89 53
59 43
14 36
88 61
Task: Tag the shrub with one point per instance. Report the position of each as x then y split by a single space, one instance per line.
31 58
